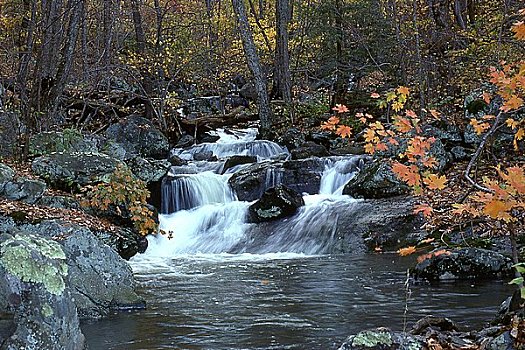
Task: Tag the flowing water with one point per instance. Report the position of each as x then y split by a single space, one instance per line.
211 287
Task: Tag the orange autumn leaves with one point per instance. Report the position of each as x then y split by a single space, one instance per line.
333 123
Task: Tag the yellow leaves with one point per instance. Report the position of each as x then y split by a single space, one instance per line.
497 209
344 131
515 179
331 124
403 90
402 124
512 103
479 128
519 30
406 251
435 182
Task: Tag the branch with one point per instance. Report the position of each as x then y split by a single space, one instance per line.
478 152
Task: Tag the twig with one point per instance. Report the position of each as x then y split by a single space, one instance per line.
478 152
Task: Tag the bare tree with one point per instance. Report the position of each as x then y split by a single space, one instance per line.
282 81
253 61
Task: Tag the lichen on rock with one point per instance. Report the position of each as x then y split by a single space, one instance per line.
372 338
35 260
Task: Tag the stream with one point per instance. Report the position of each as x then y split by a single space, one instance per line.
207 287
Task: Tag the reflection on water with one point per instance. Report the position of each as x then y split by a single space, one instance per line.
280 302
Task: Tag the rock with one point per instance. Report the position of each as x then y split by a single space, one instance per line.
207 138
205 105
435 323
338 227
6 175
148 170
9 128
320 137
63 202
138 136
448 133
476 108
459 153
176 160
309 149
376 180
233 161
299 175
205 155
465 263
276 203
505 341
22 189
99 279
69 140
382 339
291 138
74 170
34 272
248 92
127 243
185 141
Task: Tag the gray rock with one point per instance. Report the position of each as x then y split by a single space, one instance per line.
69 140
309 149
74 170
382 339
34 273
300 175
149 170
291 138
248 91
138 136
99 279
185 141
376 180
504 341
233 161
204 155
459 153
6 175
276 203
465 263
205 105
62 202
22 189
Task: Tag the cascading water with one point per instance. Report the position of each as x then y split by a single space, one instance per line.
217 282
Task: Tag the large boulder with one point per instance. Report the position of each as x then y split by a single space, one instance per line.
138 136
69 140
99 279
299 175
34 273
6 175
464 263
74 170
276 203
376 180
291 138
233 161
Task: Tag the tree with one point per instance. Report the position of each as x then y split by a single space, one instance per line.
282 81
253 61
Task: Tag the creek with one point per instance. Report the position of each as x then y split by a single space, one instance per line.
211 283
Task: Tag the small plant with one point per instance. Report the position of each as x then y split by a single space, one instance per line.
127 196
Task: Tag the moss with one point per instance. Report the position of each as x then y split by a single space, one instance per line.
35 259
269 213
47 311
372 338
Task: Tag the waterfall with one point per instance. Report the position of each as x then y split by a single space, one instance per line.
261 148
338 172
186 191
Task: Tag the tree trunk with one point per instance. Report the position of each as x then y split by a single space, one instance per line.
252 59
282 81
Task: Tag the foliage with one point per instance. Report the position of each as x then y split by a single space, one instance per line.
124 192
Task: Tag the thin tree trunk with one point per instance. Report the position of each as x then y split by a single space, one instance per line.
282 81
252 59
419 58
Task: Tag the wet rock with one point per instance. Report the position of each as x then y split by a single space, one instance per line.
10 127
276 203
127 243
504 341
22 189
320 137
376 180
233 161
74 170
291 138
34 273
465 263
138 136
248 92
185 141
382 339
434 323
205 155
300 175
309 149
176 160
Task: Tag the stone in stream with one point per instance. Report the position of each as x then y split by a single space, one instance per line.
382 339
276 203
465 263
